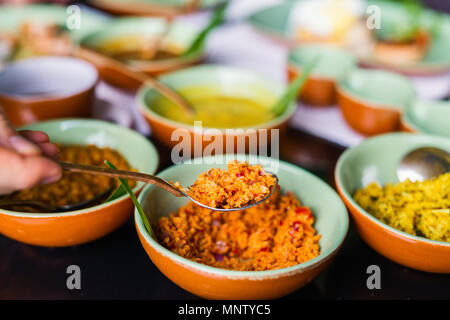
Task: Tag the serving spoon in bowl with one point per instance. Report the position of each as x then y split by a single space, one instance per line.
151 179
47 207
423 163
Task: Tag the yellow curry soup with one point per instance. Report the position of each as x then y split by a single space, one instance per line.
216 109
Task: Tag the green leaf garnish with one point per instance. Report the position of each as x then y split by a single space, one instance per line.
118 192
217 18
127 187
294 88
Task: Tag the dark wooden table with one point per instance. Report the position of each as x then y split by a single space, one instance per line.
116 266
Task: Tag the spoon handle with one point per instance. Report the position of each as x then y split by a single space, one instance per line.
28 203
129 175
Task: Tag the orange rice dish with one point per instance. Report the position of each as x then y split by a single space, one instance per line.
277 233
240 185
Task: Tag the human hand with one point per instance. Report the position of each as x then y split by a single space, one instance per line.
25 158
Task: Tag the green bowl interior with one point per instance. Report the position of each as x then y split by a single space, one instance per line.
12 17
222 80
139 152
273 19
380 88
334 63
376 160
179 34
328 209
432 117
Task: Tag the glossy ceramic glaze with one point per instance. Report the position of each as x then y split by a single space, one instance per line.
376 160
214 283
273 21
334 64
372 101
177 37
76 227
231 81
44 88
431 117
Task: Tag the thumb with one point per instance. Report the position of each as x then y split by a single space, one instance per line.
9 138
25 172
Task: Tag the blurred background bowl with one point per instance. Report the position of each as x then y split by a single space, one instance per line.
125 34
431 117
376 160
43 88
80 226
13 17
214 283
167 9
334 64
372 101
275 21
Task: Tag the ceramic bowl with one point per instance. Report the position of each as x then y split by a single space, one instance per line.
167 9
13 16
376 160
43 88
228 81
334 64
177 38
433 24
214 283
80 226
372 101
431 117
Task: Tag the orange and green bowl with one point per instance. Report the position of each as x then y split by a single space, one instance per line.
331 221
376 160
84 225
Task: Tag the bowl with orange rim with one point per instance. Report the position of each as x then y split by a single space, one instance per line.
150 45
430 117
84 225
38 89
376 160
372 101
232 105
168 9
333 65
331 221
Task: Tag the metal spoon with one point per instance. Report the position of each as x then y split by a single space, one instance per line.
423 163
147 178
47 207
